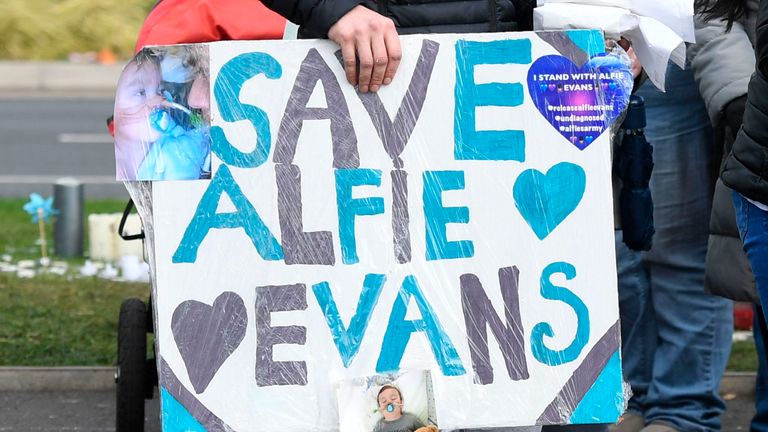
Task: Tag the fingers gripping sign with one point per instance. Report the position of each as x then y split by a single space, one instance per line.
370 48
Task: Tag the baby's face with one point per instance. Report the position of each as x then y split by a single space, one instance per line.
138 93
390 396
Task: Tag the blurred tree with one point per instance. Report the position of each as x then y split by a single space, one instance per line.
52 29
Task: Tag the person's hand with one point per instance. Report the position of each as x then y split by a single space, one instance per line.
371 39
635 65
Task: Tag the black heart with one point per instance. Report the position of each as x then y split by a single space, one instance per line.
207 335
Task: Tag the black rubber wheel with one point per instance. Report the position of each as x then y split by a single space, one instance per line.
131 375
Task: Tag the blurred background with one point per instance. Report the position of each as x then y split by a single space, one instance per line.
74 30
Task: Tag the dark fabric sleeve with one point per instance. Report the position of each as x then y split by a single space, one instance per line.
734 112
761 39
524 14
746 168
317 16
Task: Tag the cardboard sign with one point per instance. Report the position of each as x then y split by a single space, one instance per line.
451 234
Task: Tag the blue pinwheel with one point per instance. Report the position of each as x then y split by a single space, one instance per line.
41 210
39 207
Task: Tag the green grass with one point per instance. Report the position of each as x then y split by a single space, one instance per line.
18 236
743 357
52 321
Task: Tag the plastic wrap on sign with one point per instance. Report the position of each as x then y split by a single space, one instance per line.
440 253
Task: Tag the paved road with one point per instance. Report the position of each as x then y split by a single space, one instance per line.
45 139
65 412
95 411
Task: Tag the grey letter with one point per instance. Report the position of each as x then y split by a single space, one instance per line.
279 299
299 247
395 134
314 69
479 312
400 218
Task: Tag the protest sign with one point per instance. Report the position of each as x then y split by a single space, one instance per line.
457 226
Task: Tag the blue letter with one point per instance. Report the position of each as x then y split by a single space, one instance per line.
549 291
436 216
230 81
244 217
348 341
472 144
399 332
349 207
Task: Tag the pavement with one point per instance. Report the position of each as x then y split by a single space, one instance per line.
52 79
83 399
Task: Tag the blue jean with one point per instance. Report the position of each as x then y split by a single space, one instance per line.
753 228
676 338
760 420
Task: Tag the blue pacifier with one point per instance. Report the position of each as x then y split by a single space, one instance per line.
161 120
390 407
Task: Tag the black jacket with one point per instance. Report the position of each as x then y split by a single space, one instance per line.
412 16
746 169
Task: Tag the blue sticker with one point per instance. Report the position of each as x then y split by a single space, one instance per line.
590 41
604 402
546 200
175 417
580 102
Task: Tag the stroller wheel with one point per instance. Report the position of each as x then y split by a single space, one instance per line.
131 374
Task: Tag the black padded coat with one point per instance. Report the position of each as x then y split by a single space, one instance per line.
315 17
746 168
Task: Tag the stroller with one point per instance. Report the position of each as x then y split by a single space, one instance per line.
172 22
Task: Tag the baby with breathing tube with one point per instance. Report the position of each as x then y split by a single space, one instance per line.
151 143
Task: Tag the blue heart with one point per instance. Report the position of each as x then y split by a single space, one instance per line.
580 100
545 200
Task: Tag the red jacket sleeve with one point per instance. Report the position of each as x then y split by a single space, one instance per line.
182 21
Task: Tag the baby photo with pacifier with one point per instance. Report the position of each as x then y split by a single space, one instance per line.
401 402
162 115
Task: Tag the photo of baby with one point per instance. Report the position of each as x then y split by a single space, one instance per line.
162 115
394 418
401 402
